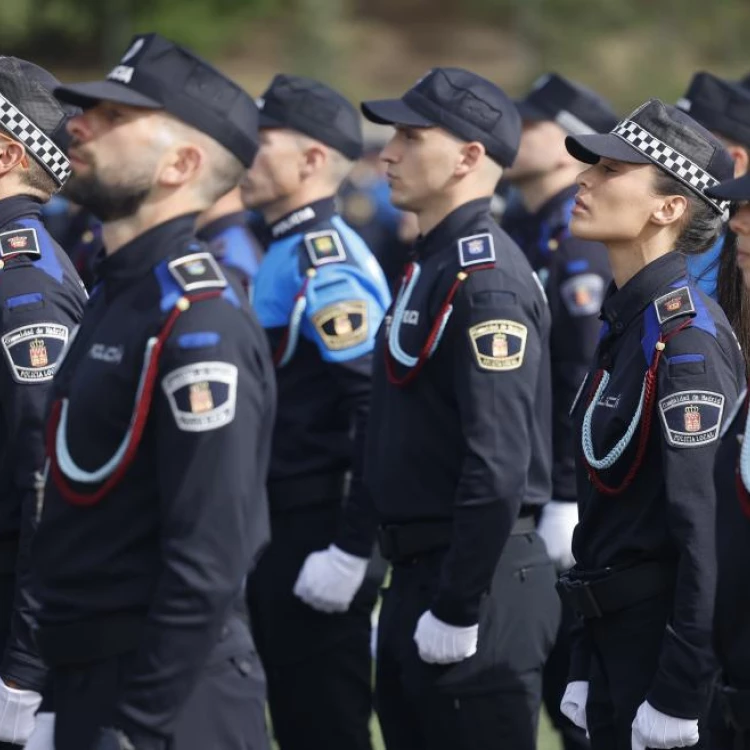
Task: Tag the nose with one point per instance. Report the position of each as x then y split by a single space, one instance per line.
388 154
740 222
583 178
79 127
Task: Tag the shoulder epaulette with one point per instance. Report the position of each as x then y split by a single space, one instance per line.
325 247
16 242
674 304
479 248
197 271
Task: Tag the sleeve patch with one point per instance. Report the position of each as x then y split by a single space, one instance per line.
479 248
202 396
197 271
33 351
19 242
691 418
325 247
583 294
499 344
342 324
673 304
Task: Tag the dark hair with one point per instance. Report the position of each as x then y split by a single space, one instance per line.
703 224
733 296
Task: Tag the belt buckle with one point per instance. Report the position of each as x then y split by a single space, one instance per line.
583 589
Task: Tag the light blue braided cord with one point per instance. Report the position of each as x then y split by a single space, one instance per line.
443 323
402 300
745 456
295 321
586 440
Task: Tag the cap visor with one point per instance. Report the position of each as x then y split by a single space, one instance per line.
530 112
264 121
732 190
394 112
89 94
590 148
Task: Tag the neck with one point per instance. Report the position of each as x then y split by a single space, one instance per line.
286 205
537 190
443 205
231 203
627 259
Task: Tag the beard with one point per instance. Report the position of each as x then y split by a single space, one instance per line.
106 202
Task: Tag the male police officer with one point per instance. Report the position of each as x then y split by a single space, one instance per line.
458 445
321 296
42 302
575 274
154 508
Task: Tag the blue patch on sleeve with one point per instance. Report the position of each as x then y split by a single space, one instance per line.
198 339
171 291
682 358
23 299
576 266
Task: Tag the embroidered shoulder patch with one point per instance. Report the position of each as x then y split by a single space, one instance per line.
342 324
583 294
202 396
479 248
19 242
33 351
673 304
499 344
197 271
691 418
325 247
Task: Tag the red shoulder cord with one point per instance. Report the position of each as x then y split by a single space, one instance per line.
424 352
646 416
742 493
278 355
139 418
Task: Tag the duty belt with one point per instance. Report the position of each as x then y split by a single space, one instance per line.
593 595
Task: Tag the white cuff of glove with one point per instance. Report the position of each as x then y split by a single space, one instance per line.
330 578
559 519
440 643
573 703
653 729
17 711
43 736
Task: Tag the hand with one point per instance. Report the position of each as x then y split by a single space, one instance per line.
440 643
329 579
556 525
573 703
17 710
43 736
656 730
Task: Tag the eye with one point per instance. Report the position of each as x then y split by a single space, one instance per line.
112 114
607 169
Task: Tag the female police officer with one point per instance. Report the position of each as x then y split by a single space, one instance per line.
648 418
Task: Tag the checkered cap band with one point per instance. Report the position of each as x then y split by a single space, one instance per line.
41 146
685 170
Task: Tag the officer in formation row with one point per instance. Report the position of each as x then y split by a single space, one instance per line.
193 458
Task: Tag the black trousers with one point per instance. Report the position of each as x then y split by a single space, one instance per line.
318 665
7 591
490 701
626 649
225 711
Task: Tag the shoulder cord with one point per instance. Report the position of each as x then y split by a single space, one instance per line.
288 345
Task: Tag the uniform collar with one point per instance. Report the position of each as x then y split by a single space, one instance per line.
17 207
454 226
213 229
303 219
623 305
135 259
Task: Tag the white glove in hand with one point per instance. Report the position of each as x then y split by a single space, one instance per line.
556 525
43 736
329 579
654 729
440 643
573 703
17 710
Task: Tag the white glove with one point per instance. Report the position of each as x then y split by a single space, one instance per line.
556 525
43 736
330 578
17 710
573 703
440 643
654 729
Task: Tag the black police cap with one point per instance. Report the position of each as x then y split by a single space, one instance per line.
667 137
573 107
732 190
312 108
158 74
719 105
30 114
466 105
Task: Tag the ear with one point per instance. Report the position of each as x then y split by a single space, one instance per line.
313 158
181 165
12 153
741 159
672 209
470 157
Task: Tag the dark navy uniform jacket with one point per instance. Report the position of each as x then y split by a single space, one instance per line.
575 274
321 297
155 504
42 303
660 507
460 418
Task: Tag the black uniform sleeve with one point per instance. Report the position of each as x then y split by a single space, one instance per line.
497 343
212 417
36 327
697 385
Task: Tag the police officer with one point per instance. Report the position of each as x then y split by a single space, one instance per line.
42 302
458 452
647 422
154 507
321 296
576 274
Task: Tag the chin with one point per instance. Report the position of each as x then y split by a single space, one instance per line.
583 228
